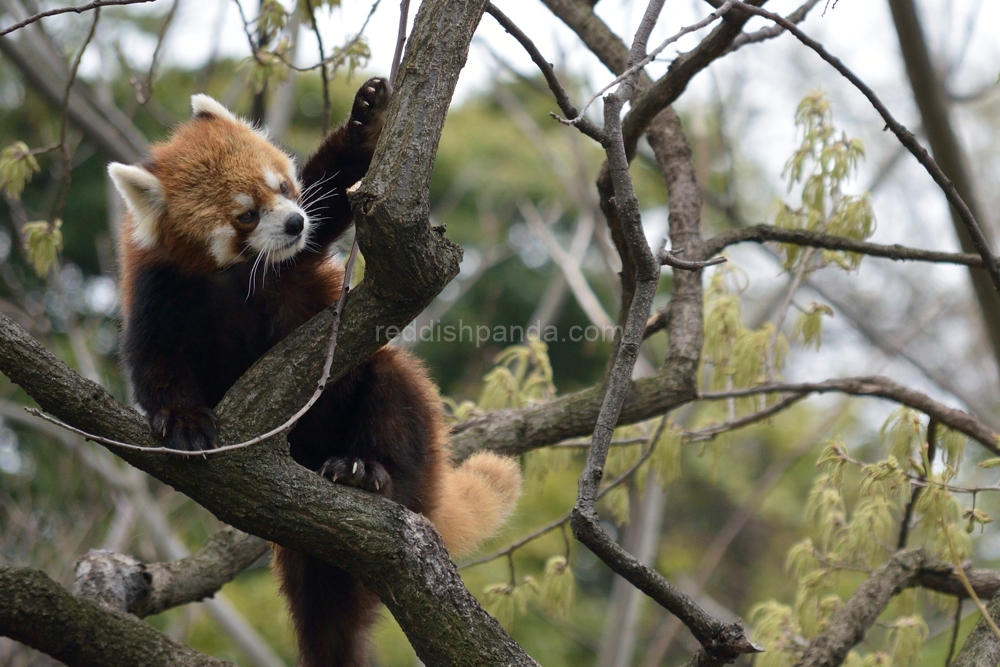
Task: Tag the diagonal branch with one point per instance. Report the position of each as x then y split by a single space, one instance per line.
905 137
96 4
848 625
40 613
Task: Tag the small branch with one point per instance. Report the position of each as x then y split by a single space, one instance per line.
634 69
155 587
562 97
710 432
97 4
848 625
882 387
905 137
802 237
670 258
798 16
967 585
904 527
397 56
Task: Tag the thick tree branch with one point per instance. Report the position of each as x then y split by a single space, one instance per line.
849 624
803 237
40 613
148 589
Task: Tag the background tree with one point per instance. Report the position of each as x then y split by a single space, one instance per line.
702 468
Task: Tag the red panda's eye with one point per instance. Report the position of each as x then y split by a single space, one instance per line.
283 187
247 217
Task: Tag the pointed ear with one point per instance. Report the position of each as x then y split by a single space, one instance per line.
143 195
203 105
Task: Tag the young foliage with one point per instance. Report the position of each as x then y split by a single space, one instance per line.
17 165
43 242
823 162
558 587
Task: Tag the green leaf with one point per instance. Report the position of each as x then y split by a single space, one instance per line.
989 463
616 501
43 242
558 587
809 326
17 165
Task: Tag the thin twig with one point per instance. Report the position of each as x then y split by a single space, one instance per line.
812 239
323 74
798 16
708 20
97 4
397 55
335 327
67 169
960 573
562 97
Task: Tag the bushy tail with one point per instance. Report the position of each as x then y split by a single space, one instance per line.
476 498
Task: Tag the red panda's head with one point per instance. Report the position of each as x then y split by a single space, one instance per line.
217 193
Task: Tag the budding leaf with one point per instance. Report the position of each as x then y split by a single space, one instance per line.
559 587
43 242
17 165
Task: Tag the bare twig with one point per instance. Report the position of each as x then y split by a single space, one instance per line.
798 16
881 387
397 55
96 4
562 97
803 237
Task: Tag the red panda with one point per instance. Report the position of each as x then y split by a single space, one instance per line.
224 250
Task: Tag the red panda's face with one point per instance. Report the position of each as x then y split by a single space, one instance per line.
216 194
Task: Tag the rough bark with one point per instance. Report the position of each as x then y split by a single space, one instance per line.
39 612
848 625
146 589
982 646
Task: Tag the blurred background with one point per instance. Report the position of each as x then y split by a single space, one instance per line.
516 190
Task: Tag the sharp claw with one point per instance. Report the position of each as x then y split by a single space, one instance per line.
369 89
376 485
365 104
336 476
357 122
354 469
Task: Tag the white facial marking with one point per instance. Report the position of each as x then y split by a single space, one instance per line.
270 236
271 178
207 105
245 201
221 245
143 195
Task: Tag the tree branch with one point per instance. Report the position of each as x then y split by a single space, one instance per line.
982 647
149 589
40 613
802 237
63 10
883 387
848 625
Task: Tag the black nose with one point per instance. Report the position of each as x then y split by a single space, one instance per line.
294 224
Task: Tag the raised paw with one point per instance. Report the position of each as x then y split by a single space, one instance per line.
191 429
368 112
368 475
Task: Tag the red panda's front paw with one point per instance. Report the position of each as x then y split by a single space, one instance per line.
368 475
368 112
191 430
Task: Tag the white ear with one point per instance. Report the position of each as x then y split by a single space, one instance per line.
143 195
203 104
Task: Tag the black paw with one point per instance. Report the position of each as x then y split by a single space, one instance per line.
368 112
191 430
368 475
